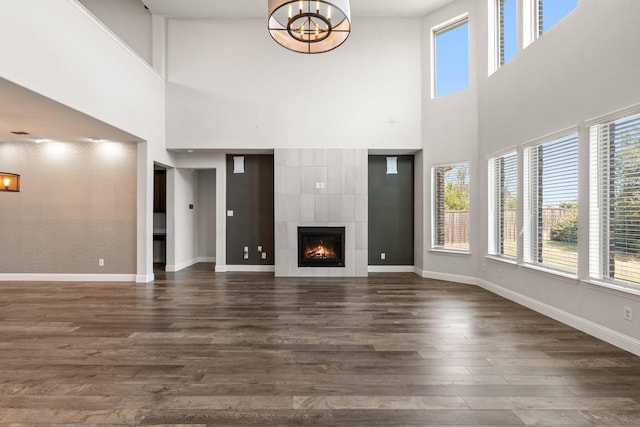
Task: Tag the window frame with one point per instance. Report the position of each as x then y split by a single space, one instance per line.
442 28
435 213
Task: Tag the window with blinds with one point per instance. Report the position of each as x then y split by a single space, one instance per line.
503 203
451 206
615 201
507 30
551 204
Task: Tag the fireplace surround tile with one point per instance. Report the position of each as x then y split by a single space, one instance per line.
342 202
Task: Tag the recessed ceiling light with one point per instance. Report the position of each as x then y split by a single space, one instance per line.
189 151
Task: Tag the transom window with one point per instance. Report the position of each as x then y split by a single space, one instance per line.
507 30
451 57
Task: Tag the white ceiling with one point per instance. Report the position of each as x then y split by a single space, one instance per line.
22 110
258 8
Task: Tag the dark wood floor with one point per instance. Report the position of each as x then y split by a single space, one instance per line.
199 348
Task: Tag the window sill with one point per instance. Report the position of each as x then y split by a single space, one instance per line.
551 272
448 251
510 261
613 288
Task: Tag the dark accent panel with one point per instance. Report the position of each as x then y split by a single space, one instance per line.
250 197
391 212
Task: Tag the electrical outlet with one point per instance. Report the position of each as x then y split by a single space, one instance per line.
100 262
628 313
264 255
383 255
259 248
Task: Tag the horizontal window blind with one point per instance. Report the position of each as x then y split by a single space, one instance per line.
503 200
615 200
552 204
451 206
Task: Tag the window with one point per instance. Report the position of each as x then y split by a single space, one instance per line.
451 207
549 12
615 200
507 30
451 57
503 200
551 204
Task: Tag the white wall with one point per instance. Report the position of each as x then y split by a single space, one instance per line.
201 162
584 67
450 134
182 233
231 85
128 19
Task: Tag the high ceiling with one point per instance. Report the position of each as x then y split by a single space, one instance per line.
26 111
22 110
258 8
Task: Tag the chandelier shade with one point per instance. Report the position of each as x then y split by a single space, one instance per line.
309 26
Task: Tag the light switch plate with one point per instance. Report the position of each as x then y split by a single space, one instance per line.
229 213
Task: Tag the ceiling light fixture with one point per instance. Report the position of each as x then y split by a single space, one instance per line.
309 26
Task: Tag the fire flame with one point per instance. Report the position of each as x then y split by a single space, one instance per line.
320 252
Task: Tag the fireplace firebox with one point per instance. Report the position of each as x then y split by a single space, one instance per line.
320 246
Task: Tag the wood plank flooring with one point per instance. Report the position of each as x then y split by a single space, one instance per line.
197 348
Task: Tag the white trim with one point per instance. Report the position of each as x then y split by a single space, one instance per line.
513 149
390 269
449 251
551 137
172 268
467 280
45 277
611 336
632 110
250 268
144 278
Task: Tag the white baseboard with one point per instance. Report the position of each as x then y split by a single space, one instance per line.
458 278
250 268
172 268
625 342
390 269
144 278
44 277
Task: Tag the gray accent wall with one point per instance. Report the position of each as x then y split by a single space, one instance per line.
391 212
250 197
76 205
